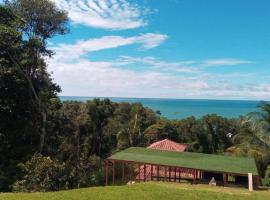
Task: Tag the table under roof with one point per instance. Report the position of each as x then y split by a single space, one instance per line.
199 161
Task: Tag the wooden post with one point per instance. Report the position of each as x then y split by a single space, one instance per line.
123 171
131 171
151 172
194 176
106 172
202 177
224 179
139 172
165 179
113 173
179 170
175 174
157 172
257 182
169 174
144 172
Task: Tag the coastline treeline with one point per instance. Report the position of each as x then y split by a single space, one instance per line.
49 145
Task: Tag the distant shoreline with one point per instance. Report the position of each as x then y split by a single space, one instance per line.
161 98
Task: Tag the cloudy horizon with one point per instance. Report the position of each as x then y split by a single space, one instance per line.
150 49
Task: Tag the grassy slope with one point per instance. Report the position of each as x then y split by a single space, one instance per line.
151 191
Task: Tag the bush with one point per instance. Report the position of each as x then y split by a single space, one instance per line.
42 174
266 179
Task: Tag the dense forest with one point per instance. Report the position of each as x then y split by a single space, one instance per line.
48 145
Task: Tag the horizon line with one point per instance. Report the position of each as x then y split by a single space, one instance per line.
160 98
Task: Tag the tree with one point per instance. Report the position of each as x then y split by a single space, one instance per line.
17 133
253 137
42 20
26 88
163 129
130 123
99 113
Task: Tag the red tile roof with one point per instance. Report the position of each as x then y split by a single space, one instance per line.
165 145
168 145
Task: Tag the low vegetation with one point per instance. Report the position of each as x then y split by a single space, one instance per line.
39 132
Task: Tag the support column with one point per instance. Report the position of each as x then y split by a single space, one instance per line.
169 174
157 172
106 172
175 174
165 179
225 179
113 173
250 182
123 172
144 172
151 172
131 172
194 176
139 172
258 182
179 170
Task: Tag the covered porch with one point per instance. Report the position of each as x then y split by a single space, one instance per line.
140 165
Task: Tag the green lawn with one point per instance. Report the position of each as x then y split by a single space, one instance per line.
208 162
151 191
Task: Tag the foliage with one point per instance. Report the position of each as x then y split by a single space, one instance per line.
77 136
266 179
253 137
42 174
42 19
26 87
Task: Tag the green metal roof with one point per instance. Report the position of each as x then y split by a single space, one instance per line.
206 162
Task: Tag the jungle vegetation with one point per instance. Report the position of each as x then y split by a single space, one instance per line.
49 145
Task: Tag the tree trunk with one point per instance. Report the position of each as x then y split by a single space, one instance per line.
40 106
43 130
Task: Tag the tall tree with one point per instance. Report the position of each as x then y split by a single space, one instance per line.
26 88
42 20
99 112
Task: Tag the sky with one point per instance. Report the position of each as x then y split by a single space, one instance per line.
186 49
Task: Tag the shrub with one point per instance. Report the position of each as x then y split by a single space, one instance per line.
42 174
266 179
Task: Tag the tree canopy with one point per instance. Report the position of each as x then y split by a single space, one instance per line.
48 145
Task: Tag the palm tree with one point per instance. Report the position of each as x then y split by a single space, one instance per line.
253 138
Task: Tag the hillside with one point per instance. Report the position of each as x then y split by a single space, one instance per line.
151 191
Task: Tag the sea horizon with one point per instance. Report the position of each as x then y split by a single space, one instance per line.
174 108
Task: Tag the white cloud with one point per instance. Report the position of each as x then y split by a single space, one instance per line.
157 64
106 14
75 51
106 79
158 78
225 62
87 78
187 66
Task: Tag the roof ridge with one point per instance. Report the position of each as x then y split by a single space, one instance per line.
169 145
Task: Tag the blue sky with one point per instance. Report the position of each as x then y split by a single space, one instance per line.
192 49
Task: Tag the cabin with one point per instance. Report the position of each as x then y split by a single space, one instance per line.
168 161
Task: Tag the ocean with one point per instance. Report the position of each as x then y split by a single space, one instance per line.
182 108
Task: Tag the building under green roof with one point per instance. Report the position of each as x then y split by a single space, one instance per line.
189 160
